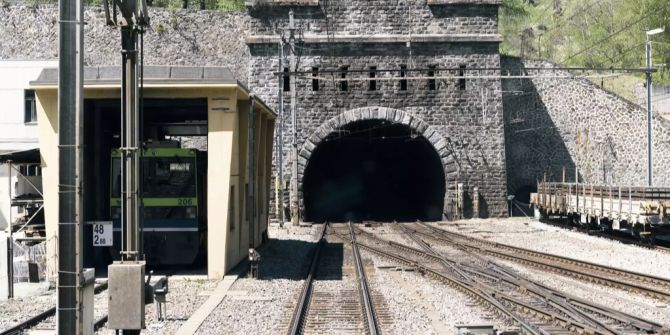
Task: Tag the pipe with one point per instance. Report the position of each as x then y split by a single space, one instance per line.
280 142
10 240
650 148
251 147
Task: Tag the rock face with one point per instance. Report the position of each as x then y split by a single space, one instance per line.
182 37
551 124
464 125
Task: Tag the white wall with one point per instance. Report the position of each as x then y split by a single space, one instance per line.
15 77
15 135
4 280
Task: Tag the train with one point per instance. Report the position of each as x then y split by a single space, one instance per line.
173 207
636 210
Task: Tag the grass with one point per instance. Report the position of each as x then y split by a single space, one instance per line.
623 86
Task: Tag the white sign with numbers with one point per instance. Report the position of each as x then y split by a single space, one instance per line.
103 234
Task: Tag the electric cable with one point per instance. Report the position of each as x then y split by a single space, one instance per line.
626 27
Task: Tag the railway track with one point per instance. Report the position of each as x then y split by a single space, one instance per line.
610 235
336 297
534 308
651 286
662 249
44 317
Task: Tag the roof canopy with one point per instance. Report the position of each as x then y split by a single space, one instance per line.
111 75
31 156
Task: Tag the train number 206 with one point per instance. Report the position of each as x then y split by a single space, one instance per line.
185 202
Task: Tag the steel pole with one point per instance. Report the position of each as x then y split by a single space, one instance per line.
131 145
295 199
70 200
650 162
280 144
10 244
251 158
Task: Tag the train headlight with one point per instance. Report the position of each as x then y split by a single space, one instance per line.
116 213
191 212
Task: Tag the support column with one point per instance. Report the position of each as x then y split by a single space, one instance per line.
295 197
222 170
70 199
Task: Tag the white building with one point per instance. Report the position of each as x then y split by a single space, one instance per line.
18 122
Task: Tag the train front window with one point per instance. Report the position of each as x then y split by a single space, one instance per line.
169 177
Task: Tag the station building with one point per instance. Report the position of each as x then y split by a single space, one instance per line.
18 132
201 107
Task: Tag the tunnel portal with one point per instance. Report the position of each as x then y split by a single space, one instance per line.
374 170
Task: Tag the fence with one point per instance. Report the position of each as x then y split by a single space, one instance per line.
30 262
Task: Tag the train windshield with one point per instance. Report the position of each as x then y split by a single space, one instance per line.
169 177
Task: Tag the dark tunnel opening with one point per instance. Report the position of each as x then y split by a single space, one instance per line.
374 170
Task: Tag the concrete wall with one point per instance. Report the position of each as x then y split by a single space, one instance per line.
543 118
228 235
15 76
466 126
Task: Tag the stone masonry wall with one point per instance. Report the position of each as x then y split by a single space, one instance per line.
465 127
360 17
543 118
181 37
467 124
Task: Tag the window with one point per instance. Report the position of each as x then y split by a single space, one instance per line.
432 84
286 81
169 177
30 170
315 80
344 84
403 74
461 81
30 109
372 83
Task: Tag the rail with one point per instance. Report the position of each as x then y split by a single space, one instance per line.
569 312
298 316
40 317
652 286
370 316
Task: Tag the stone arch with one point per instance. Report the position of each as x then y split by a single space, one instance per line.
431 133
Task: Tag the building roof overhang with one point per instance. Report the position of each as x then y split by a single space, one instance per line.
30 156
154 76
174 77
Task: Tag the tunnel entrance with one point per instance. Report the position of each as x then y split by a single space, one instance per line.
374 170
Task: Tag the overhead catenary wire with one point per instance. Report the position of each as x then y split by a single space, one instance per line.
473 69
617 32
464 77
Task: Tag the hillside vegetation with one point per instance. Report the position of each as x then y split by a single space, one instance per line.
588 33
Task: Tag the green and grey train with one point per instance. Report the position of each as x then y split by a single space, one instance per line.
173 204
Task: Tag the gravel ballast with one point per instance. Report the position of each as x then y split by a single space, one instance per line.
263 306
534 235
15 311
414 303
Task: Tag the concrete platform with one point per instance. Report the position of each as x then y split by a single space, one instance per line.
193 323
